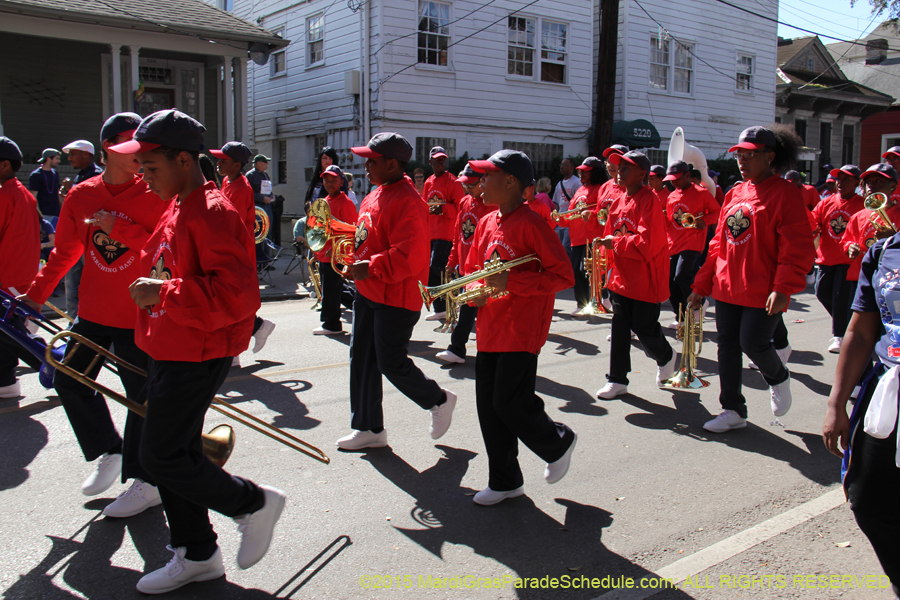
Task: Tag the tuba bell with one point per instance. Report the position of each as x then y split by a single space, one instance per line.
679 149
328 229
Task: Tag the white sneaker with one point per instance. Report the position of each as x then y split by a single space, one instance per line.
557 469
256 528
105 473
11 391
574 313
727 419
436 316
754 366
180 571
835 346
607 304
784 354
363 439
261 336
781 397
133 501
488 497
705 304
323 331
611 390
633 336
667 370
673 325
236 362
450 357
441 416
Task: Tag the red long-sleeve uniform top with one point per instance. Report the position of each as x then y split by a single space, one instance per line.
20 236
111 262
640 247
861 232
471 211
240 194
811 196
694 200
832 216
519 321
762 245
342 209
210 292
448 189
391 235
720 196
578 229
663 197
543 211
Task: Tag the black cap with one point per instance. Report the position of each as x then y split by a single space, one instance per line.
755 138
851 170
882 169
123 124
236 151
170 128
260 158
386 144
47 153
615 149
9 150
513 162
638 159
675 169
892 150
590 163
658 170
793 175
333 171
469 176
437 152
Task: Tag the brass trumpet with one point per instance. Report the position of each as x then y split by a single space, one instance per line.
452 317
327 228
602 216
316 281
570 214
217 444
689 221
877 203
596 263
690 331
492 267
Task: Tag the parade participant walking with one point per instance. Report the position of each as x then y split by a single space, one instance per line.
44 183
442 193
562 196
592 174
655 180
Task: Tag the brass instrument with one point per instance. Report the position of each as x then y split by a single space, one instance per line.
452 317
436 202
596 263
261 230
316 281
690 331
217 444
570 214
877 203
602 216
689 221
327 228
492 267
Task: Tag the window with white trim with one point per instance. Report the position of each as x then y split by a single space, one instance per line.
524 36
315 40
434 32
521 46
743 79
278 60
671 65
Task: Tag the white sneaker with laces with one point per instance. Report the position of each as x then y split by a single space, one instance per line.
633 336
11 391
363 439
236 362
557 469
450 357
611 390
262 336
105 473
727 420
436 316
256 528
133 501
667 370
180 571
323 331
784 354
488 497
781 397
835 346
441 416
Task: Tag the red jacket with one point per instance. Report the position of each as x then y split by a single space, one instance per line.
519 321
240 194
471 211
640 247
543 211
210 292
445 187
578 229
391 235
111 262
861 232
695 200
663 197
832 216
720 195
342 209
810 196
20 236
762 244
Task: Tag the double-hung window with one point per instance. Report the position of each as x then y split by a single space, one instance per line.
315 40
525 37
743 80
671 66
434 32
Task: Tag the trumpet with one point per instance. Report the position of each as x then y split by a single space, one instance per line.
570 214
436 202
328 229
596 263
316 281
449 323
602 216
217 444
690 331
877 203
689 221
451 290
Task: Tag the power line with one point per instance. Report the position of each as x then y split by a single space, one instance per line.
466 16
836 61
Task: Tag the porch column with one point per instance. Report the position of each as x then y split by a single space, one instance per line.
228 97
135 75
116 83
240 100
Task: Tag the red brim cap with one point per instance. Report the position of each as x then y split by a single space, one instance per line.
835 172
483 166
330 174
438 155
618 158
128 134
467 180
364 151
886 154
672 177
133 147
747 146
867 173
584 168
610 152
218 154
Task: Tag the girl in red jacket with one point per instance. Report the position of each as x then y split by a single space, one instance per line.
759 256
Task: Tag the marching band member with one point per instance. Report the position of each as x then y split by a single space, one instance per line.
197 306
635 234
759 256
506 365
892 157
538 206
832 216
592 176
342 209
686 243
442 188
861 234
390 259
106 220
471 210
655 180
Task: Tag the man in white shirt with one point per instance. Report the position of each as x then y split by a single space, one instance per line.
564 191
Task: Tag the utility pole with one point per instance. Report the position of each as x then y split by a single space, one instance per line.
606 75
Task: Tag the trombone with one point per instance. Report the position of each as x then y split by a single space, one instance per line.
877 203
217 444
328 229
596 263
690 331
570 214
451 290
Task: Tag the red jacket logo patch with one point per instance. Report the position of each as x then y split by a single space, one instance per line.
738 223
838 225
468 228
362 234
110 250
159 271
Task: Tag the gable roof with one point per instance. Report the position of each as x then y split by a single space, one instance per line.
792 55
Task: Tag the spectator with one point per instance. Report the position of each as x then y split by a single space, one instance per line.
563 194
350 193
44 183
327 157
81 157
262 186
48 234
419 180
542 194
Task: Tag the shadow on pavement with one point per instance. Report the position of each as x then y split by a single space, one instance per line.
564 345
577 399
280 397
21 438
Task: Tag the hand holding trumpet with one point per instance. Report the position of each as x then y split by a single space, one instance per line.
105 220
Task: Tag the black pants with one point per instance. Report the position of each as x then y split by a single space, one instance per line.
73 282
509 411
379 342
780 335
332 288
460 336
87 410
178 395
747 330
582 287
11 353
440 252
836 295
643 319
682 268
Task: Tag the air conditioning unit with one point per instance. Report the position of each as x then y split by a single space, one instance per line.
351 82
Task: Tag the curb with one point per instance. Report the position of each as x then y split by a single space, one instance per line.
285 296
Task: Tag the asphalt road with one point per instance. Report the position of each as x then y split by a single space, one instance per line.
752 513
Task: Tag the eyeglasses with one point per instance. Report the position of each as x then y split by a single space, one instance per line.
747 155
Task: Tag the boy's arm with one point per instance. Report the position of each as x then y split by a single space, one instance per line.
67 250
407 253
556 269
650 237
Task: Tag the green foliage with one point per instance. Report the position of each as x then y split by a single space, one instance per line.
727 168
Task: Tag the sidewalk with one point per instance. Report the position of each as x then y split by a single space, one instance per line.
278 286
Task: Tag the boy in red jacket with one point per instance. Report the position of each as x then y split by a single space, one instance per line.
390 260
861 233
197 306
635 232
506 365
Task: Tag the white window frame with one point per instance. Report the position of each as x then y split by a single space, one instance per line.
310 41
448 36
537 50
741 70
670 45
273 59
884 139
